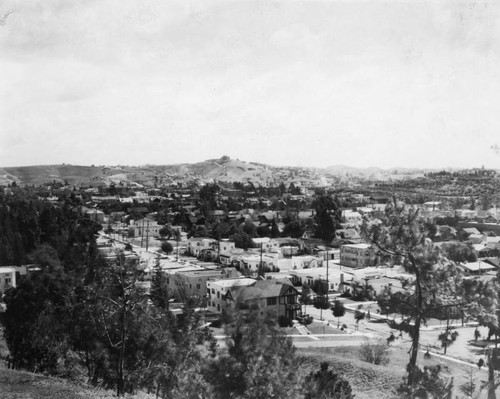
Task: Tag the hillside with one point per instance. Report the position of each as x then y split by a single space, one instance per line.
224 169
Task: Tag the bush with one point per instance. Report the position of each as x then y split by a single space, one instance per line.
216 323
284 321
374 351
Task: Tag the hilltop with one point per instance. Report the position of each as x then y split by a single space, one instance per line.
223 169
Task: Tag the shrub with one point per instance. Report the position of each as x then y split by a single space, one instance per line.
374 351
166 247
284 321
216 323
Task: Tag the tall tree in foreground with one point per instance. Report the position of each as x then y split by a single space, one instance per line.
403 234
259 362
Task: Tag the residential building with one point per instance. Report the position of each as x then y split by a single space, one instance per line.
336 277
217 289
267 244
7 278
352 217
357 255
193 283
273 296
145 227
252 263
197 244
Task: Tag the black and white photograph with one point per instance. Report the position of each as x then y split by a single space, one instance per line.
249 199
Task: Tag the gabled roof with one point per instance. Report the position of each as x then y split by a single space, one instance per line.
261 289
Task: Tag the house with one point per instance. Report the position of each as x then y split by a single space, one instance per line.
432 206
267 244
476 239
306 262
197 244
348 234
252 263
217 289
466 213
145 227
476 268
273 296
96 215
357 255
352 217
7 278
193 283
446 233
336 277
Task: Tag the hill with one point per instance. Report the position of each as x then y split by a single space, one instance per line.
223 169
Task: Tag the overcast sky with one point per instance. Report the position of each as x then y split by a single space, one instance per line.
407 84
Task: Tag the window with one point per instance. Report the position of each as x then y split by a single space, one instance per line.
213 291
271 301
198 286
218 294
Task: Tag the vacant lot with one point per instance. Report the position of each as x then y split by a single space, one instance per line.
370 381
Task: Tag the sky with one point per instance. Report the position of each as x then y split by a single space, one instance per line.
299 83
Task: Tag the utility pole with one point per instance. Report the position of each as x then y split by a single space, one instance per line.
260 263
142 232
327 283
147 236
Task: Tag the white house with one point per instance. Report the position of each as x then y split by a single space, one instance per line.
197 244
352 217
145 227
267 244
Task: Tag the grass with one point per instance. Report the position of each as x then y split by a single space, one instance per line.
369 381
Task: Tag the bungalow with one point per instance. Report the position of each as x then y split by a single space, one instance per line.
476 268
352 217
278 298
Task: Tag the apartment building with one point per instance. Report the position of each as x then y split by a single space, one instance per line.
357 255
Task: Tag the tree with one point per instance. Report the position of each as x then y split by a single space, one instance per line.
375 351
401 233
359 314
305 296
321 302
447 338
326 217
259 361
338 310
159 288
167 247
326 384
242 240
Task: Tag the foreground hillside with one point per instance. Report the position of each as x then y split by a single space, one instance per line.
368 381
